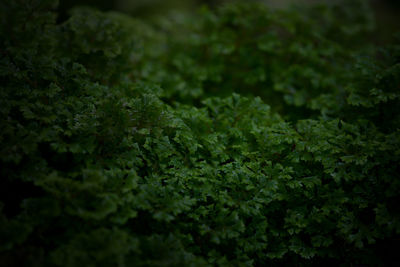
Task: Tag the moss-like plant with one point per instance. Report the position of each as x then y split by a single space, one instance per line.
244 138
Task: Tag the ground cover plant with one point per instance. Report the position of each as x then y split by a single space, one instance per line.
238 136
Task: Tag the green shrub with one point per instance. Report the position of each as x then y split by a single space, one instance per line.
246 138
294 61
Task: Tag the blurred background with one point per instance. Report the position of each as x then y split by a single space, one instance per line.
387 12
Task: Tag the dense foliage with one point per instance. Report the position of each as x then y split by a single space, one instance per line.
235 137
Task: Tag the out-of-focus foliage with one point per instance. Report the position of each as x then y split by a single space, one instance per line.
299 57
240 137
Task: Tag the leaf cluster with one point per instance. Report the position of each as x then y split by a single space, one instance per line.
246 138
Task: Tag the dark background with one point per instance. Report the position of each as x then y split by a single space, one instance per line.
387 12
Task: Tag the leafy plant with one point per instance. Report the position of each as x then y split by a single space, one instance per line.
247 138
